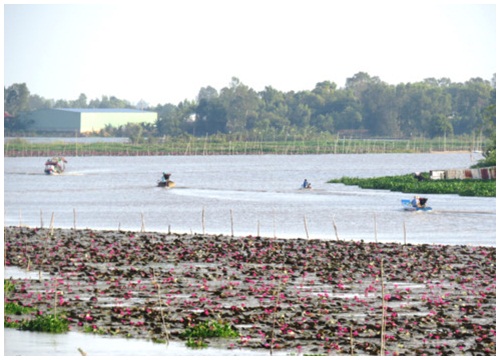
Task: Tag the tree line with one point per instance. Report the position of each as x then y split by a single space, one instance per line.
365 107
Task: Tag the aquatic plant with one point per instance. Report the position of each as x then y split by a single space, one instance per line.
11 308
55 324
208 329
8 286
408 184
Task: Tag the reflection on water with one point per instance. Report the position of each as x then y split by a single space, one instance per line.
245 195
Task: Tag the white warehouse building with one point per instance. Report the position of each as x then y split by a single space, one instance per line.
87 120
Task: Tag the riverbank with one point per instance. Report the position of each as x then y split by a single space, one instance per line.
216 145
301 296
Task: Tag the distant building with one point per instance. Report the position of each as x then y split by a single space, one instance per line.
479 173
86 120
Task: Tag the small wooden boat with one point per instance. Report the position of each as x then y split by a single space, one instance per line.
55 166
166 184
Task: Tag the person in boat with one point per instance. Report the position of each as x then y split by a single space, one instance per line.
415 202
306 184
165 177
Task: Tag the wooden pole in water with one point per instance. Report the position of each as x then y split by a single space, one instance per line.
41 219
305 226
274 224
52 225
232 223
142 222
375 224
74 218
203 220
335 228
404 231
20 218
258 228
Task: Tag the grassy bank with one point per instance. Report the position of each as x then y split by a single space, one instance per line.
408 184
223 146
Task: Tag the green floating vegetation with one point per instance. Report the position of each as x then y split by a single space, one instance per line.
54 324
16 309
408 184
8 286
196 334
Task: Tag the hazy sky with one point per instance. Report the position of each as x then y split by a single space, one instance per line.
165 51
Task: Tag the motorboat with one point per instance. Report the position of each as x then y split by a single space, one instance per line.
166 184
408 206
55 166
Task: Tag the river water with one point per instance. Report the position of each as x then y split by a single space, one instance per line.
245 195
240 195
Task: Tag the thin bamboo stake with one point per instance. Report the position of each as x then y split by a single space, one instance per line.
41 219
375 224
274 223
74 218
335 228
157 283
404 231
258 228
352 343
305 226
52 225
203 220
20 218
142 222
232 223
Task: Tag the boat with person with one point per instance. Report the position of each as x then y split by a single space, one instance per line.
55 166
417 204
165 181
166 184
306 185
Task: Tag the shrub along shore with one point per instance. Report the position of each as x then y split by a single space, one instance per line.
289 295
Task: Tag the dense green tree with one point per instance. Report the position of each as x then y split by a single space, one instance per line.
211 117
380 110
468 101
80 103
168 122
37 102
16 104
16 99
241 104
366 106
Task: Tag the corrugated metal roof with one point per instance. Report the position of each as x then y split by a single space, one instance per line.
106 110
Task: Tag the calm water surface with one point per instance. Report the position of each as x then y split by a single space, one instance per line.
245 195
